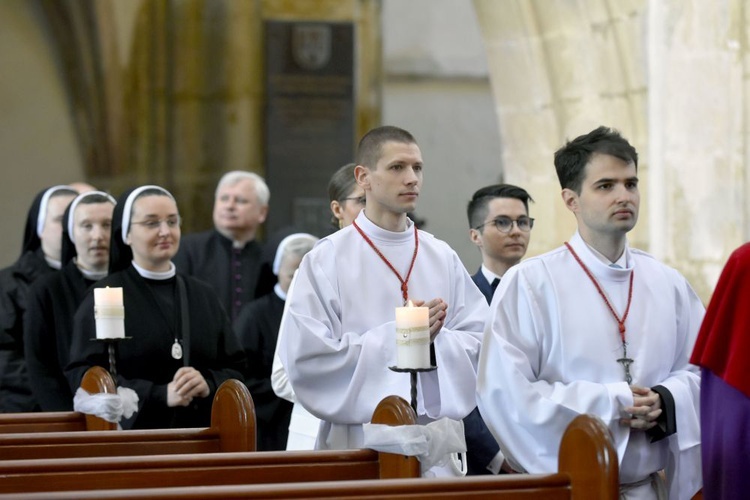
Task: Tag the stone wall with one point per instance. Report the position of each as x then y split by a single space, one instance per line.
670 75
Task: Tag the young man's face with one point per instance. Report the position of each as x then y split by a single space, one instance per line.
237 208
393 185
609 200
506 248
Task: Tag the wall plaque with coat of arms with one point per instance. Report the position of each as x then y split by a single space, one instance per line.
309 117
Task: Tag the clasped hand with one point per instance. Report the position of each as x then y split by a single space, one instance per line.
438 309
188 383
645 410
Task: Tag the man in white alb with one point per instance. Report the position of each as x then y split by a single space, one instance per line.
596 327
339 334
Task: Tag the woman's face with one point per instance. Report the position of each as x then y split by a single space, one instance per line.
348 209
154 234
289 265
92 224
51 234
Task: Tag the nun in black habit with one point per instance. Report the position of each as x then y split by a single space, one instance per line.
179 345
40 255
55 297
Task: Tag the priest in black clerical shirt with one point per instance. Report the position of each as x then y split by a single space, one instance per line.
500 228
228 257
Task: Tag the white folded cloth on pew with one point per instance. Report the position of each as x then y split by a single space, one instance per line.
110 407
436 445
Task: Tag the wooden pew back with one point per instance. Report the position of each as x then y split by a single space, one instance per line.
193 469
394 410
588 469
232 429
588 455
95 380
226 468
516 487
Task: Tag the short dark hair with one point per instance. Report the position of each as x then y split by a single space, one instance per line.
369 148
572 158
479 204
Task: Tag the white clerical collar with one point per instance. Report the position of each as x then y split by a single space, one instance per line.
90 275
375 231
279 292
156 275
236 244
54 264
489 275
621 263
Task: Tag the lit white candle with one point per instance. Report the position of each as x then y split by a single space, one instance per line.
109 312
412 337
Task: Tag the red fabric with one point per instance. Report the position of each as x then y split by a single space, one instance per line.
723 344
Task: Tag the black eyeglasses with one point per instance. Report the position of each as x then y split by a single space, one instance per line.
505 224
359 199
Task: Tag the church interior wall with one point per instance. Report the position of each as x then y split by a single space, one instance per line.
490 89
37 146
670 75
436 85
457 134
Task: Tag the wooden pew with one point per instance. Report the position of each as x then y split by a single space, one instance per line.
587 469
228 468
520 487
232 429
95 380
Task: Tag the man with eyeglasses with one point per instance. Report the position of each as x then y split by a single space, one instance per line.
500 228
595 326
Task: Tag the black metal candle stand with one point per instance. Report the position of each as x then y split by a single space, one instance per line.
413 375
112 353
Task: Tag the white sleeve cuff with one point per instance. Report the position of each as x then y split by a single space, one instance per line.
496 463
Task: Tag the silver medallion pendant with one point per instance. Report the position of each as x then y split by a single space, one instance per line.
176 350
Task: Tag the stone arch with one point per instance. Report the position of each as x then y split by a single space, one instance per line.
670 75
559 69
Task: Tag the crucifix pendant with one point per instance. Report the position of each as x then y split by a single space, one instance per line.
626 361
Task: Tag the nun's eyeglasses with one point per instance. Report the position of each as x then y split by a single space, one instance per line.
360 200
155 224
505 224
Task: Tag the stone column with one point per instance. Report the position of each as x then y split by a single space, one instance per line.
698 131
670 75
